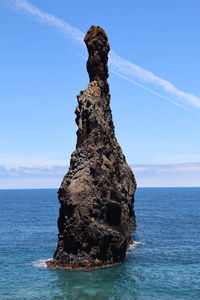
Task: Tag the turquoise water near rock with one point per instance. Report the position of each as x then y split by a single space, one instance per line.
163 263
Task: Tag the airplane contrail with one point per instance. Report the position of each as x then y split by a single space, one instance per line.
120 66
155 93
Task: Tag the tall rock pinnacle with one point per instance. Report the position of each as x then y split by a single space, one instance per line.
96 215
98 48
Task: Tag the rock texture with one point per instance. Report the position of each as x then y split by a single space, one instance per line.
96 216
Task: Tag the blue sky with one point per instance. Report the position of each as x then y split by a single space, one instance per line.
155 93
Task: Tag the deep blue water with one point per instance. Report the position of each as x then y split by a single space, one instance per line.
163 264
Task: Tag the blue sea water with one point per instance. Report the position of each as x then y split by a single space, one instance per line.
164 262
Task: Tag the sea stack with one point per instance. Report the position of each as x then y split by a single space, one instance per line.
96 216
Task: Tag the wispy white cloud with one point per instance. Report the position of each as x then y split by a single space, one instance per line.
129 68
42 171
118 63
157 94
170 168
31 177
171 175
72 32
183 175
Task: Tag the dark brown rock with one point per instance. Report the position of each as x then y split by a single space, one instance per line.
96 195
98 48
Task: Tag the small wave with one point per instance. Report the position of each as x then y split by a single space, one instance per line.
170 253
134 245
40 263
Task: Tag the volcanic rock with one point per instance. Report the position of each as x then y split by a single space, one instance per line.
96 215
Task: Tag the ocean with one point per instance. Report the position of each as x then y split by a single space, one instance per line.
163 263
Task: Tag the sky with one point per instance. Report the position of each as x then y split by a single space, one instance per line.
154 82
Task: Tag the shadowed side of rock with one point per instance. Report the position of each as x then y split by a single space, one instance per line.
96 215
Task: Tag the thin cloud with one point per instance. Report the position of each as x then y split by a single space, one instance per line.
130 68
33 172
118 63
72 32
155 93
169 168
184 175
171 175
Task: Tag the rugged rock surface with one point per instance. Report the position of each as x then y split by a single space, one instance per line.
96 195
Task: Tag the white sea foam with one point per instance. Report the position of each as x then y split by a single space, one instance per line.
134 245
40 263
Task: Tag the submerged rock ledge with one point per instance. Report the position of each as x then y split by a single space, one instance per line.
96 215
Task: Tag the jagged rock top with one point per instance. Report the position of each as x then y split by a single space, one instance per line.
98 48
